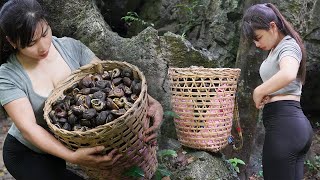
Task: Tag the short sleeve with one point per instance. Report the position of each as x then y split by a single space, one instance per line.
291 49
9 91
76 51
85 55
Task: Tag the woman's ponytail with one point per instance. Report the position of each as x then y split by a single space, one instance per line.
288 29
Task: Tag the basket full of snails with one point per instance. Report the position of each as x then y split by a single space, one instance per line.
104 103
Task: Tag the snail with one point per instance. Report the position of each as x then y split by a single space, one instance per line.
98 104
96 99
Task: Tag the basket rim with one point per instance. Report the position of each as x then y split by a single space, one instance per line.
196 68
47 106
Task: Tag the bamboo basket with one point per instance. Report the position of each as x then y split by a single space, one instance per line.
204 100
125 133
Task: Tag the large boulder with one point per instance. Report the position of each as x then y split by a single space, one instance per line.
153 54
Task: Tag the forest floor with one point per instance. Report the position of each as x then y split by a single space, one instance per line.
312 165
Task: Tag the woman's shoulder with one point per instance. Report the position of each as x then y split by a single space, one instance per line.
290 47
9 66
64 40
67 42
289 41
12 72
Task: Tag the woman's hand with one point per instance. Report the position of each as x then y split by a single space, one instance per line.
259 97
155 115
91 157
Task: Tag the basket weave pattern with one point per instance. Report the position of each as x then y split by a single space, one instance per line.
125 133
203 98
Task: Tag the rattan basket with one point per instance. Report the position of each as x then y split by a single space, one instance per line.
125 133
203 99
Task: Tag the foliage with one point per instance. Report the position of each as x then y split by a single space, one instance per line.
317 124
234 162
171 114
189 12
313 166
134 172
162 170
134 17
167 152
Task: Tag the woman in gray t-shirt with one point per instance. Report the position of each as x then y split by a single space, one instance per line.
33 62
288 132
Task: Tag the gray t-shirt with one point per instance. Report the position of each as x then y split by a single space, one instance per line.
270 66
15 82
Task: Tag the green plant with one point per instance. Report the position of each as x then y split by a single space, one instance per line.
234 162
171 114
134 17
134 172
189 11
162 170
313 165
167 152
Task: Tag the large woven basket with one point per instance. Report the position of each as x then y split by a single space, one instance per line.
125 133
203 99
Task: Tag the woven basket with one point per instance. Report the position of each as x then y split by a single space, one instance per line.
125 133
203 98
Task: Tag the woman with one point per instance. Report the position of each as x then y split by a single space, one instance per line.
34 62
288 131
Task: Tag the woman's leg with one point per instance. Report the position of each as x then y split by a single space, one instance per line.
287 140
301 156
25 164
277 162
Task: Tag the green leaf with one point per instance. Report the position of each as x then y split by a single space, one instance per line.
239 161
236 161
134 171
158 175
237 169
167 152
134 14
171 114
162 172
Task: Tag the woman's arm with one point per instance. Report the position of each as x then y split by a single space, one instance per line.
289 67
21 113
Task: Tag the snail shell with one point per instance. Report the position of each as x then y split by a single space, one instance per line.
98 104
127 72
116 92
89 113
110 104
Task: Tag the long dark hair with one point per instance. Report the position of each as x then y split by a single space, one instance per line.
18 22
259 16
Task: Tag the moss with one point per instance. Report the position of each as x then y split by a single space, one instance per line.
183 55
294 7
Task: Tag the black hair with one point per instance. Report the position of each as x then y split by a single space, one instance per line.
18 22
259 16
